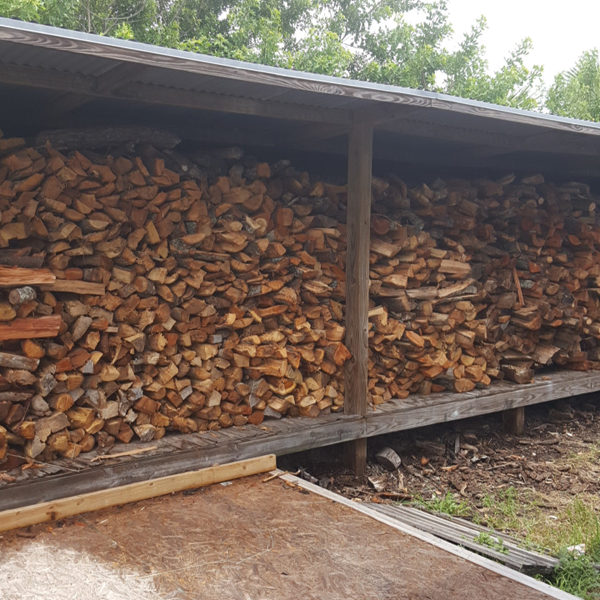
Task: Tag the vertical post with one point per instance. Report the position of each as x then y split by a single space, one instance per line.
358 224
514 420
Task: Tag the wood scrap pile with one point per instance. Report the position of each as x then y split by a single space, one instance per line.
137 298
480 280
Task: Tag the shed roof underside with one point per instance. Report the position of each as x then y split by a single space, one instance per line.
53 78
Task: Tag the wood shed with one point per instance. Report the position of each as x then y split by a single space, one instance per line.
468 264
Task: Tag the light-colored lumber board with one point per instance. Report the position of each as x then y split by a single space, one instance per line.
360 159
16 276
76 286
482 561
134 492
22 329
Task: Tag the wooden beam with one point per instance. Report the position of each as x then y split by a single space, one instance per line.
360 158
514 420
489 142
147 93
74 505
109 81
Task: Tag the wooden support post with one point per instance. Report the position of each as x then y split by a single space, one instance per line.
514 420
360 158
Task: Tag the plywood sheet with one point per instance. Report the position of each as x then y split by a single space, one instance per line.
246 540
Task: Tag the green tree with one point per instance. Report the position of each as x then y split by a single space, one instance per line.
576 93
399 42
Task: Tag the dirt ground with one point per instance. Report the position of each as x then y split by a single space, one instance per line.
527 485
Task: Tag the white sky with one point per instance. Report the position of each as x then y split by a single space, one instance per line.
561 30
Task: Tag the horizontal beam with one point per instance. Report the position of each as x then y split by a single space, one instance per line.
92 87
53 39
179 453
492 142
143 490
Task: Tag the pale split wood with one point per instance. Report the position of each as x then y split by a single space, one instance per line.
22 329
76 287
463 553
16 276
66 507
122 454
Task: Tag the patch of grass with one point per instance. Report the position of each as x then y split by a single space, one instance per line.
577 575
445 504
485 539
577 523
502 509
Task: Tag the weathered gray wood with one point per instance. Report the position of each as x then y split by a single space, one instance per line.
360 159
85 86
103 137
152 56
419 411
514 420
139 468
467 534
15 361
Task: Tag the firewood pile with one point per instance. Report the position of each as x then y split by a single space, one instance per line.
143 292
138 298
481 280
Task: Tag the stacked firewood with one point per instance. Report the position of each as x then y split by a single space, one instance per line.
143 291
484 280
139 298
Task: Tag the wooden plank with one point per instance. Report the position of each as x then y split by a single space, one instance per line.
15 361
358 219
17 276
169 462
76 286
467 534
74 505
482 561
22 329
82 86
269 77
441 408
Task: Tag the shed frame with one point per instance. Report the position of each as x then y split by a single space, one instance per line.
75 75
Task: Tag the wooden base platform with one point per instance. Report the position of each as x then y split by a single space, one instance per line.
177 453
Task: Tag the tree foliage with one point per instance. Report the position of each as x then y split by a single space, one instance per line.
399 42
576 93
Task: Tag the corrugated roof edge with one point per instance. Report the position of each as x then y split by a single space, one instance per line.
84 43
